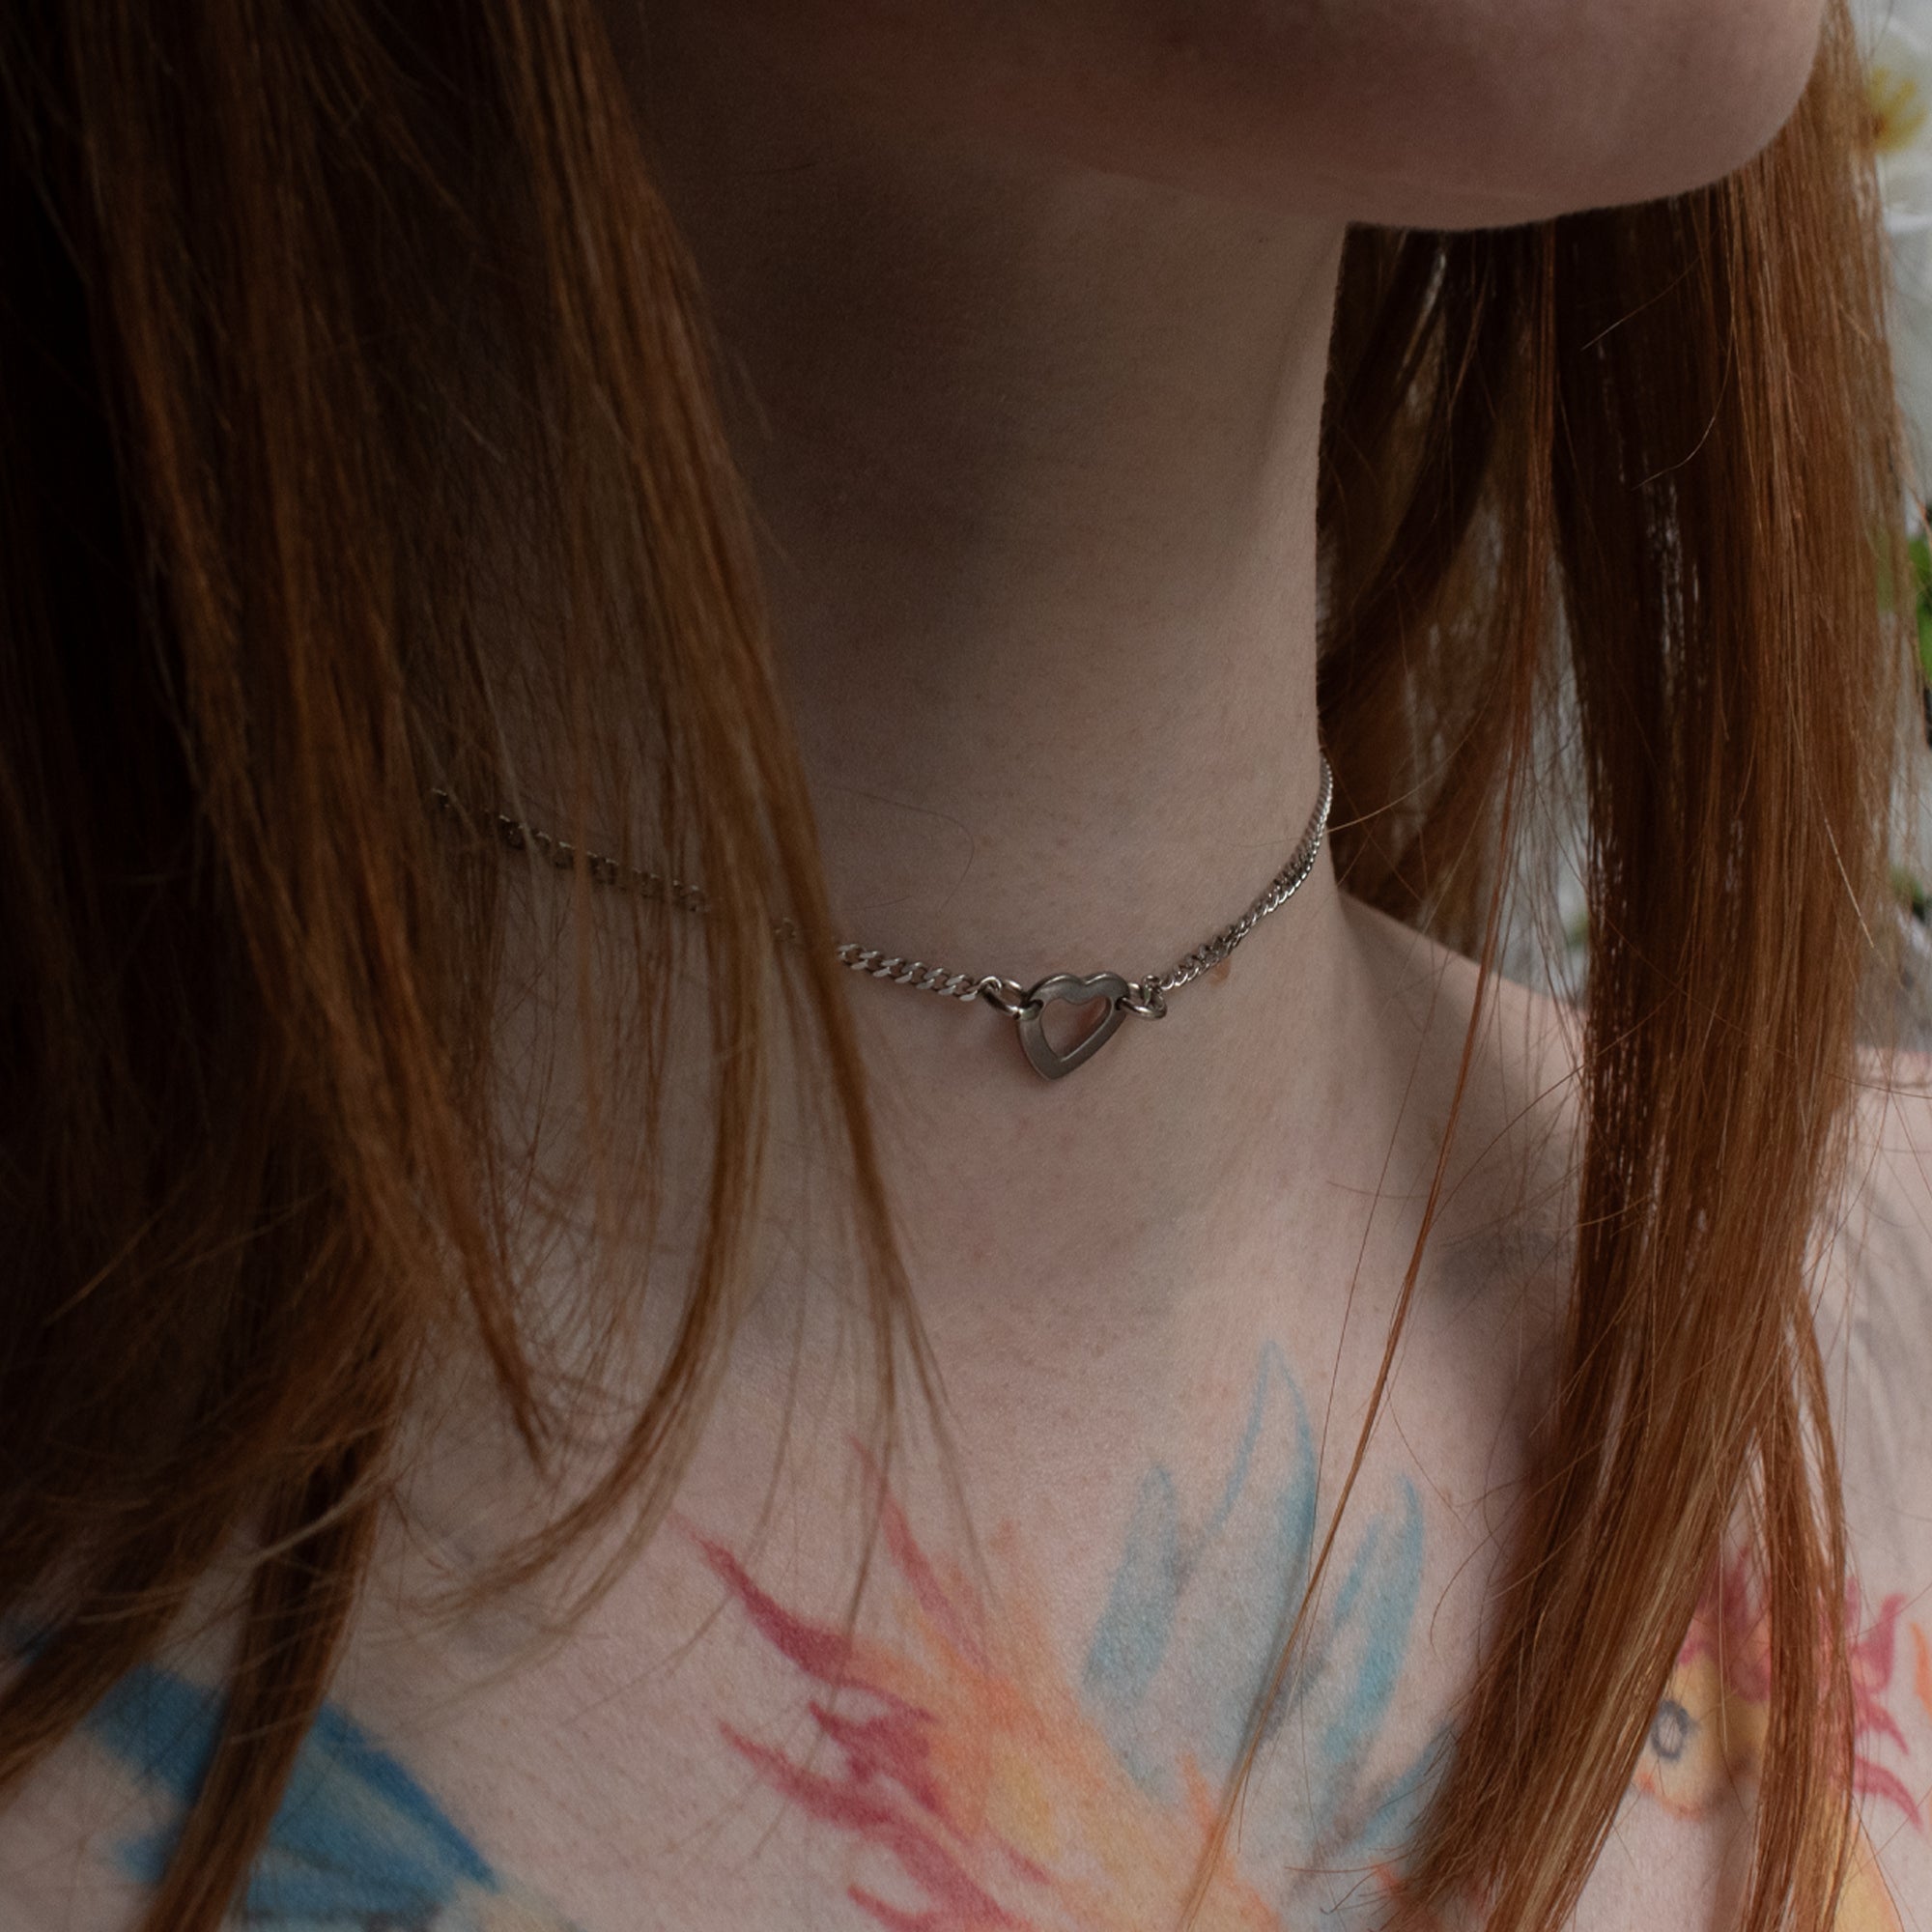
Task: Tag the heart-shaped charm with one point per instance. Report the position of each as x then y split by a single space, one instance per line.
1052 1061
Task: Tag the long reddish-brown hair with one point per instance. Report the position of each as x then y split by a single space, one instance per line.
302 299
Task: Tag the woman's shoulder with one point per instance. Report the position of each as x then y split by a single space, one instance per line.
1874 1300
1873 1297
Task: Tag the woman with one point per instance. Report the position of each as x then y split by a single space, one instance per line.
523 1414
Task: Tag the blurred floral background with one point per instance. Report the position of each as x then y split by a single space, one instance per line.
1896 36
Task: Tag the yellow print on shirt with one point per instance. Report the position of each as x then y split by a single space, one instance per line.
1707 1738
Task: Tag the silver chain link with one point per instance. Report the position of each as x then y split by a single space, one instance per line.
1145 997
1275 895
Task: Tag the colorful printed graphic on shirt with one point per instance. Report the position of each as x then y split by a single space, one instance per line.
985 1787
1707 1738
981 1785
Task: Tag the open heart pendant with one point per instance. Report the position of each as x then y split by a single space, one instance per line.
1052 1062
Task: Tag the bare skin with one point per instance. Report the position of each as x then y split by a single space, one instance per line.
1030 1742
1029 311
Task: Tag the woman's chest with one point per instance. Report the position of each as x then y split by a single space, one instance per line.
1031 1715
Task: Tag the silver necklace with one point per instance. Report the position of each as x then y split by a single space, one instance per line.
1145 997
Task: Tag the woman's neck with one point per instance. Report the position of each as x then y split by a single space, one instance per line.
1035 451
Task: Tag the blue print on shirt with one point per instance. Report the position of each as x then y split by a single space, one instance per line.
1197 1614
357 1845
